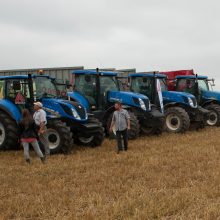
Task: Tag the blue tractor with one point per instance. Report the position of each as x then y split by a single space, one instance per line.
180 108
199 86
98 90
67 120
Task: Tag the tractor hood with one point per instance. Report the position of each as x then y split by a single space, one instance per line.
58 108
184 98
131 99
211 95
79 98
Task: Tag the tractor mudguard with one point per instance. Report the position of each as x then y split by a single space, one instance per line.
79 98
11 109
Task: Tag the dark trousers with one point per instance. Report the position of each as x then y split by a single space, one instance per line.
122 134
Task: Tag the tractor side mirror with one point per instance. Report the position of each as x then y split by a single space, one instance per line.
16 85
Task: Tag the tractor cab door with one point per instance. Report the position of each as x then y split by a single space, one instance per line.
143 85
17 91
107 84
86 85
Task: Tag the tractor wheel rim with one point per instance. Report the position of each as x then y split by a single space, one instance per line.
2 133
173 122
213 118
53 138
86 140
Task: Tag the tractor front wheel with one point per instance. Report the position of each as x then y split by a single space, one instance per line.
176 120
59 137
214 116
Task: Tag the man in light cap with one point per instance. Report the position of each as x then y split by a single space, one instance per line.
41 121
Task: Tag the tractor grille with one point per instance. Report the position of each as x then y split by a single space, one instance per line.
194 101
79 108
67 109
136 101
147 103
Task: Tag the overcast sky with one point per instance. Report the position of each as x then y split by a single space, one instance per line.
143 34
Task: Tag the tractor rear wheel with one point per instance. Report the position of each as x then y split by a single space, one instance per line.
8 132
214 116
133 133
59 137
93 140
176 120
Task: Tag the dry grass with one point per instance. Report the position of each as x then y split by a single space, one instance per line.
167 177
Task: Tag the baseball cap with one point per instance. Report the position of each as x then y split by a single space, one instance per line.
39 104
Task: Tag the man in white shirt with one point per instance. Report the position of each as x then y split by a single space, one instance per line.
41 121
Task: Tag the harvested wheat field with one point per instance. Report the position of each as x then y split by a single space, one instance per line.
167 177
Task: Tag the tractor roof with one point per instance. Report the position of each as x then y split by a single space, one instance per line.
94 72
22 76
147 75
191 77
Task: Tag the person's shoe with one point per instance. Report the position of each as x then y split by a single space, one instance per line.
43 160
28 161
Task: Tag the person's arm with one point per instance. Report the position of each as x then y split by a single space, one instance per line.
42 123
113 122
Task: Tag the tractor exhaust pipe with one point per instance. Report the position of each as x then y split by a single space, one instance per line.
31 90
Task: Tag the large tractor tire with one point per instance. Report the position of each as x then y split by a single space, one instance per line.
214 116
59 137
94 140
133 133
8 132
176 120
149 130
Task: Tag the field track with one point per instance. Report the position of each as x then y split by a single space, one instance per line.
167 177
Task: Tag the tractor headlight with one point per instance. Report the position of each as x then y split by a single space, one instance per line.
75 114
191 103
143 106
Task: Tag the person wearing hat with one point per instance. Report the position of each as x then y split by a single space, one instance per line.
121 122
41 121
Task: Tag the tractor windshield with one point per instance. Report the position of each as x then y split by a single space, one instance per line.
108 83
203 85
143 85
163 84
188 85
44 87
86 85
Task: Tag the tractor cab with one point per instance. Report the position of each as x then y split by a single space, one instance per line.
95 87
196 85
148 84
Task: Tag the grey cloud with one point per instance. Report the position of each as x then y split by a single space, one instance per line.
146 34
